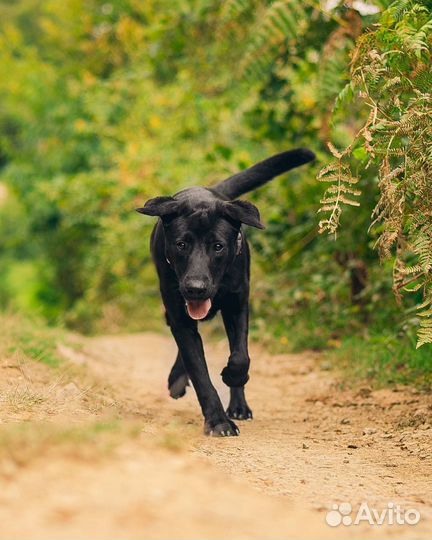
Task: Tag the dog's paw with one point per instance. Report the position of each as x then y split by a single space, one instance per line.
224 429
240 412
178 388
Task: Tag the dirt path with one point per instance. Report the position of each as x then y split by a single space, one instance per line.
311 445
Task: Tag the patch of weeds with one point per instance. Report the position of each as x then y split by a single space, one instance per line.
23 398
172 441
382 360
176 437
30 338
20 443
35 347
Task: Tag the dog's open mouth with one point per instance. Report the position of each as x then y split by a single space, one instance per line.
198 309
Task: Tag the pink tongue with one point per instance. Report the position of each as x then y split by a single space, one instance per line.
198 309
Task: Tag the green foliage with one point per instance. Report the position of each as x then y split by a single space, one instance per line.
113 103
382 360
392 76
340 192
29 339
93 136
280 23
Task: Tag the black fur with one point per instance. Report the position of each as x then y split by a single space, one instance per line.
262 172
200 253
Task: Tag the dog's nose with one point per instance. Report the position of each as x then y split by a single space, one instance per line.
196 288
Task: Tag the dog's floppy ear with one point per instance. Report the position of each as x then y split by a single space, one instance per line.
245 212
159 206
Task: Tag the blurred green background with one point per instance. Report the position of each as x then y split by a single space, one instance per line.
106 104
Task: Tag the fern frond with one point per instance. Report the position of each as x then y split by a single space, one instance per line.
423 248
425 328
345 96
283 21
231 9
391 73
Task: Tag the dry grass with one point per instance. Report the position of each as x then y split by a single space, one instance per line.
21 444
48 402
39 381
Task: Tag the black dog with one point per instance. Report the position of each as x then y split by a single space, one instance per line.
202 259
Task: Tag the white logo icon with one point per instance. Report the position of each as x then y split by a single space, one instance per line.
339 514
393 514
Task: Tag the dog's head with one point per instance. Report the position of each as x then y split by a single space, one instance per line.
201 241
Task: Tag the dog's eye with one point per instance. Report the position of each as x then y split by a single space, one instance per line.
218 246
181 245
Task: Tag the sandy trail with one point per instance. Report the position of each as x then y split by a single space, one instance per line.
310 445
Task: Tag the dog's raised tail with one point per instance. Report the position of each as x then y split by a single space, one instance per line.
262 172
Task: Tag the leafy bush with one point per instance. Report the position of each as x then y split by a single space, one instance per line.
382 360
113 103
391 74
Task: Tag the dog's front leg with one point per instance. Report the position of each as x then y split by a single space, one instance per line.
192 352
235 375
